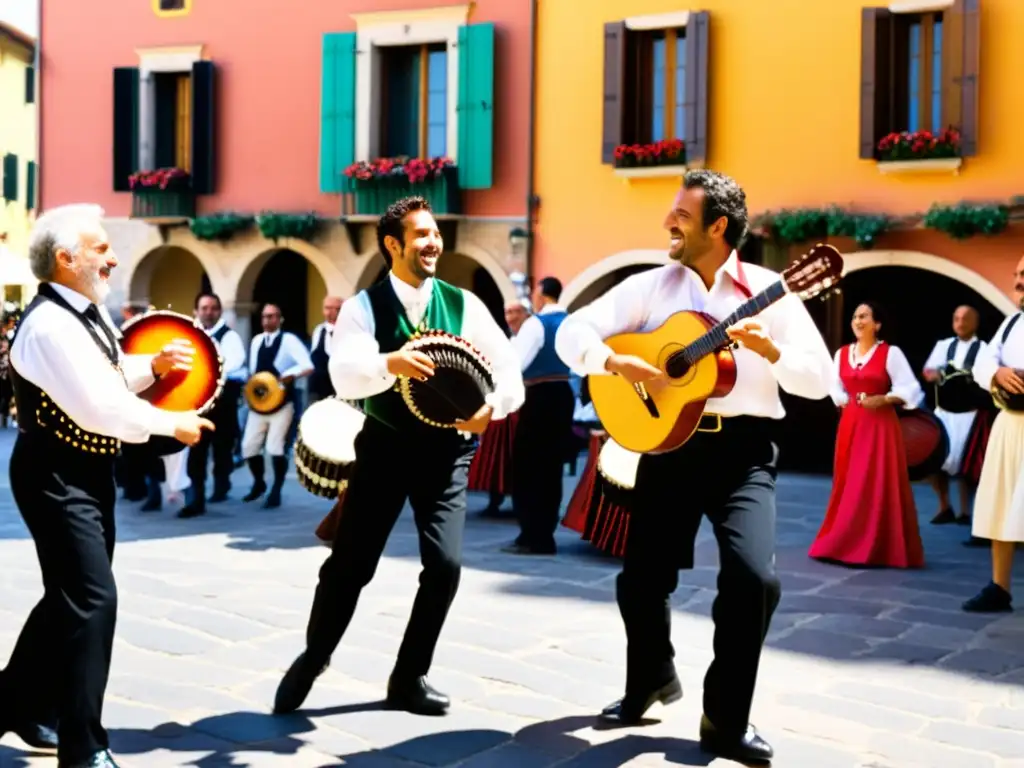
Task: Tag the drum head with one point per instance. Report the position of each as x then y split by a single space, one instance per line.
617 468
194 390
329 427
925 442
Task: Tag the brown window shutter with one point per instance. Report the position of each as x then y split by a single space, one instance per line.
875 58
952 65
971 10
697 87
614 87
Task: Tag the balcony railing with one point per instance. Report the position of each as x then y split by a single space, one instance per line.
156 203
373 196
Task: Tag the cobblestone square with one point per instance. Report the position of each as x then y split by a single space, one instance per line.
862 669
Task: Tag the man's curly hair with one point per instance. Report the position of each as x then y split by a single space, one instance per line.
392 221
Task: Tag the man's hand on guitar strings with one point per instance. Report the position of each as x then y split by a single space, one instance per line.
633 369
755 337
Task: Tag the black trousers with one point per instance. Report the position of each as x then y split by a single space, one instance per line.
730 477
542 443
431 471
61 661
220 442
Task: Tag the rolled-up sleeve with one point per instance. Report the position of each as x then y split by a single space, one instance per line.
836 389
138 372
804 367
905 385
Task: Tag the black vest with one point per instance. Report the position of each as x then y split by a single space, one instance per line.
220 333
39 416
320 380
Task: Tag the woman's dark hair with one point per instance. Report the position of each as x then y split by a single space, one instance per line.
722 197
392 222
878 315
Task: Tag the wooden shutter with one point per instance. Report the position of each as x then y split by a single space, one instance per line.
30 186
475 106
614 88
30 85
337 109
10 177
204 128
875 59
971 13
126 126
696 89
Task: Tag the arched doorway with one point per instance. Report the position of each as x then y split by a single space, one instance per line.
919 305
168 277
287 279
605 283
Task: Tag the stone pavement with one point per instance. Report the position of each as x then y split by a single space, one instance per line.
862 668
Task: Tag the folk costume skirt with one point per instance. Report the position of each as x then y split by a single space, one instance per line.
491 470
598 519
999 503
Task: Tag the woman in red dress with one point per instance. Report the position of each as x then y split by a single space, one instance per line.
871 518
598 518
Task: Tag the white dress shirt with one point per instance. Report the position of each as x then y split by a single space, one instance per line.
324 327
937 359
904 384
996 354
54 351
530 339
232 351
292 357
644 301
359 370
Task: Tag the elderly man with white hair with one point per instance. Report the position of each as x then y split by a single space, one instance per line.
75 389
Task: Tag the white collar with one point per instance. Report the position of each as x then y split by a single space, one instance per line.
79 302
408 294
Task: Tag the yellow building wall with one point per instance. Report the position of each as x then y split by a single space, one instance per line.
176 281
17 136
316 292
783 119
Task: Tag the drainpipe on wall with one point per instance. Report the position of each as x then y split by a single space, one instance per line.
532 201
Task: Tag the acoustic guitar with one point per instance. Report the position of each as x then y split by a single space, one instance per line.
694 351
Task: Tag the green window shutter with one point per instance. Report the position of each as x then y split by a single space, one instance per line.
476 106
10 177
337 109
30 85
30 186
126 126
204 112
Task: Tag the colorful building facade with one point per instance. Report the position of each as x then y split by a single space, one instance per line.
797 101
18 169
221 136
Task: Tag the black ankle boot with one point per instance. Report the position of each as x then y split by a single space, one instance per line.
259 485
280 465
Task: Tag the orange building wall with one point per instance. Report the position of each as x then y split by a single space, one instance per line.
268 100
784 83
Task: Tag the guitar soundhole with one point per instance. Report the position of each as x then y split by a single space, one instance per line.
676 366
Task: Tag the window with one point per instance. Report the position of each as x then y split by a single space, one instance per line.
172 120
10 183
414 116
172 7
656 85
919 73
30 85
30 185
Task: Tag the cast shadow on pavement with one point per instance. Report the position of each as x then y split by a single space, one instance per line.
216 742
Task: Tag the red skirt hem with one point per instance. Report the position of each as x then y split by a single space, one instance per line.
491 468
591 514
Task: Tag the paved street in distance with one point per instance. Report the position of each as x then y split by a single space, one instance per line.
862 668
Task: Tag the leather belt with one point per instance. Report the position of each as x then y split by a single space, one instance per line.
546 380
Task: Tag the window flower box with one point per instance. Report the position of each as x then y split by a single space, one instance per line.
377 184
920 151
657 159
165 193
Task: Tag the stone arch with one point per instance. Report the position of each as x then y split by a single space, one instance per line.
179 291
645 256
858 260
253 261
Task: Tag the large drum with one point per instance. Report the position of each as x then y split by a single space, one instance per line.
925 442
617 467
325 451
194 390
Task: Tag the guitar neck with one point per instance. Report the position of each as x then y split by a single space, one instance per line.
716 337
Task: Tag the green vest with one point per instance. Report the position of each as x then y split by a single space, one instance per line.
392 329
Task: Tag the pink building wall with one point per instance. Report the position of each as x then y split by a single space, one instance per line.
268 97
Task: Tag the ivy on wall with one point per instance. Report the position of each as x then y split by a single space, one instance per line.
220 226
301 226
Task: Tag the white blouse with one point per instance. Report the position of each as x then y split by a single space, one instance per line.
904 384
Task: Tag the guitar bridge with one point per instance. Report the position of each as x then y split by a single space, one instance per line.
647 400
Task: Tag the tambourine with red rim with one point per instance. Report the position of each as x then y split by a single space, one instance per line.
194 390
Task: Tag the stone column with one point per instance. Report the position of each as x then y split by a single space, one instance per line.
238 315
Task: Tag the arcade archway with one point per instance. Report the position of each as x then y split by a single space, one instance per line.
169 277
919 305
285 278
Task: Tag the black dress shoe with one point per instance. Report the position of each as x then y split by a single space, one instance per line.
258 489
273 499
631 708
100 760
416 696
991 599
34 735
746 747
296 684
195 509
523 549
